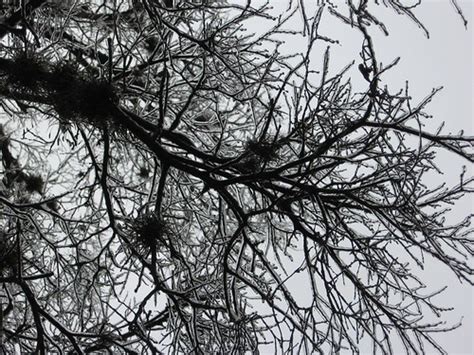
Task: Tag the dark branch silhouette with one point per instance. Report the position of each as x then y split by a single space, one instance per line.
167 178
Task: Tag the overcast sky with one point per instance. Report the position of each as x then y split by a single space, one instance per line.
445 59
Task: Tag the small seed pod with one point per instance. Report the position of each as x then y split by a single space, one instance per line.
8 254
144 172
34 183
266 151
149 232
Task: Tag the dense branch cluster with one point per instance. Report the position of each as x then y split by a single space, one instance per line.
166 178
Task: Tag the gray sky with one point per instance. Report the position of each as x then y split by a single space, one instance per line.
445 59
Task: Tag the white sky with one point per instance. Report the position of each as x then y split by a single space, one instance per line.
446 59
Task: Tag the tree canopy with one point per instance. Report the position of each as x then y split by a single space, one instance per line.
168 177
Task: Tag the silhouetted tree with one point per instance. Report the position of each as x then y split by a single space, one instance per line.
166 176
